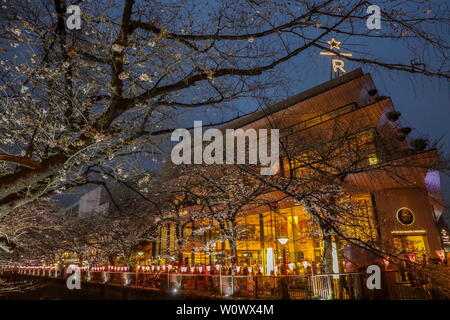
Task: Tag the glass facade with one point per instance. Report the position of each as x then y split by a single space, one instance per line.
257 237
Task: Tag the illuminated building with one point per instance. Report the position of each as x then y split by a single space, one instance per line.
397 209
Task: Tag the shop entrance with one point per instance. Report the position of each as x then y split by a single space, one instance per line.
412 244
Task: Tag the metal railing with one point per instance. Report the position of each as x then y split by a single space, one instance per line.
396 285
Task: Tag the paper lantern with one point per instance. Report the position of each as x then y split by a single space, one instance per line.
441 254
412 257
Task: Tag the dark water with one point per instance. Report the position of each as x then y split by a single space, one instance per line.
55 289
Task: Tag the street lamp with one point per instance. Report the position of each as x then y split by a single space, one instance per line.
140 255
284 287
283 241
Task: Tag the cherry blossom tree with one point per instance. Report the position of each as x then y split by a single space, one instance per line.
72 100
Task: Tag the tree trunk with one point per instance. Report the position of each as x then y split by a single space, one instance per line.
233 248
233 255
17 181
180 259
326 238
327 251
180 245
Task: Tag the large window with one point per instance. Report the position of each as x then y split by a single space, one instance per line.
344 153
356 219
412 244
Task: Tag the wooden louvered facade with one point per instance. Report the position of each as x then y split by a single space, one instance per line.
388 181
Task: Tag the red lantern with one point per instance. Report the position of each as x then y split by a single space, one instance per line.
441 254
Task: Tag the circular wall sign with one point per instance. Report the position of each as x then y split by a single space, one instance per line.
405 216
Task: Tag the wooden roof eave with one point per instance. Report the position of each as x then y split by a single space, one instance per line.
406 172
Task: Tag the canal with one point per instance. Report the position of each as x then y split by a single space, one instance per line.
56 289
